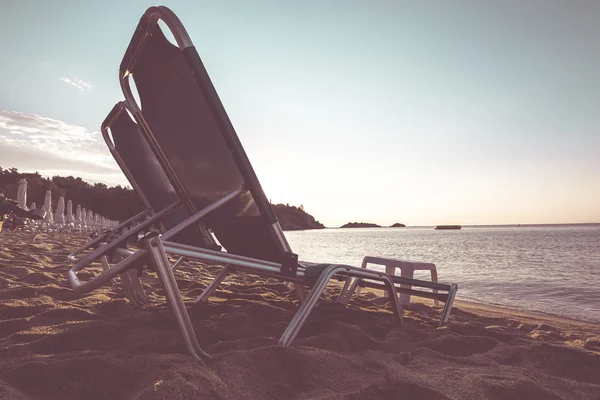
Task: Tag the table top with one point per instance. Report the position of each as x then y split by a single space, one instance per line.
393 262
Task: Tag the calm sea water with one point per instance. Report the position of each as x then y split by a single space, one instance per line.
550 269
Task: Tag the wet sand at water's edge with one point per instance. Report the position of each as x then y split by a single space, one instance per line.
57 345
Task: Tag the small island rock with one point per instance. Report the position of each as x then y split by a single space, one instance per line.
360 225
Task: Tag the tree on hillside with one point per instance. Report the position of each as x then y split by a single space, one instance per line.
116 203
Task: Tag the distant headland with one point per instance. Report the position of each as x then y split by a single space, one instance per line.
294 218
119 203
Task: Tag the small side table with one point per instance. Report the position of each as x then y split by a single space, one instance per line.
407 270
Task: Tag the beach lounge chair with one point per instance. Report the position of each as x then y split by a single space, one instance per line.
188 131
140 166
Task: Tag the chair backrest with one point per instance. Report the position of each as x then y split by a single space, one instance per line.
185 124
143 171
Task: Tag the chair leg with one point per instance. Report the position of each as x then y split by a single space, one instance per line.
434 278
244 278
409 273
162 266
300 292
136 286
448 306
212 287
128 289
176 263
343 294
303 311
313 296
354 288
134 292
104 263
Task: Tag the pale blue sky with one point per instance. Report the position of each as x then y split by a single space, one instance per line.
468 112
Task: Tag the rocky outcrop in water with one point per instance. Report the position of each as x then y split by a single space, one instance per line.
360 225
445 227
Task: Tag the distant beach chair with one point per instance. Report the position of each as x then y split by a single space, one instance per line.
188 132
14 216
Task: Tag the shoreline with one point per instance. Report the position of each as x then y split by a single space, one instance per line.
500 311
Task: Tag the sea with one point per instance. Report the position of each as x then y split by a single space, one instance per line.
553 269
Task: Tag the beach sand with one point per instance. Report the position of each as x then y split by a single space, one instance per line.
57 345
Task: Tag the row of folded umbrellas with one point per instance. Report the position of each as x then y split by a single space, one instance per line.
64 211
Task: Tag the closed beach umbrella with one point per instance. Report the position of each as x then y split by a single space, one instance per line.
59 216
69 218
83 216
22 194
48 207
90 218
78 214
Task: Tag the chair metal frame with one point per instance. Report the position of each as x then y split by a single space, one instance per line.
129 280
155 247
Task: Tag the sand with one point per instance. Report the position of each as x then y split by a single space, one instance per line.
57 345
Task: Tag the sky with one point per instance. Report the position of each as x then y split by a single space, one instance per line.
423 113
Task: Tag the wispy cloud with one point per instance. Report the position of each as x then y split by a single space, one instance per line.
82 86
33 142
